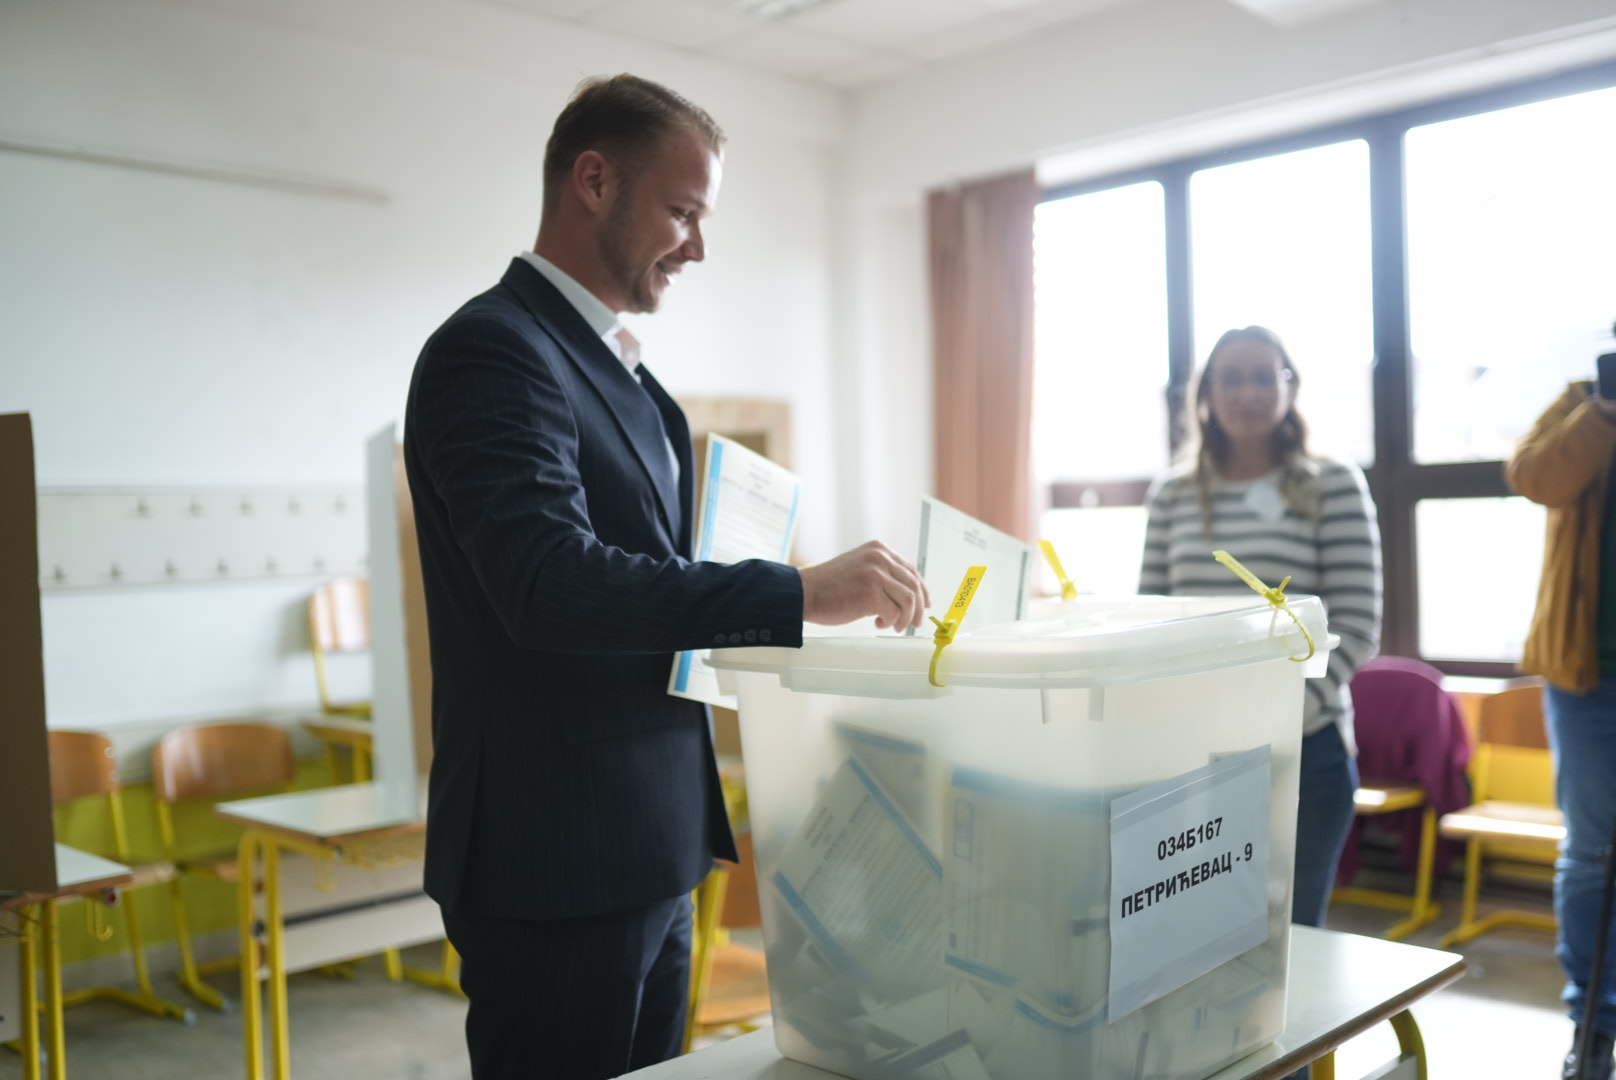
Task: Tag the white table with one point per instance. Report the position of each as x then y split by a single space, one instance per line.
1340 986
358 893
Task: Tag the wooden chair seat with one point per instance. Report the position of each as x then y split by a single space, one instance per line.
339 622
1374 797
206 763
221 867
1514 818
152 873
1515 822
84 764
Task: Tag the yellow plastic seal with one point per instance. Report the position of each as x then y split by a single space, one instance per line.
1068 590
949 626
1275 596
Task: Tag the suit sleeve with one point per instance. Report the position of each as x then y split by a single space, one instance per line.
497 442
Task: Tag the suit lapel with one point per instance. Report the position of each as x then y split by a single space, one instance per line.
678 430
637 416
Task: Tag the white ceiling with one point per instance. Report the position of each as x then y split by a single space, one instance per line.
842 43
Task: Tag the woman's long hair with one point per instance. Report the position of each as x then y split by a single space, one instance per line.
1211 448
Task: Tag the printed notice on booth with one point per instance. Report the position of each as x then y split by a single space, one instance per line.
748 510
1189 877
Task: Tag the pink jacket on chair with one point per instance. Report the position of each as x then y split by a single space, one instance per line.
1410 731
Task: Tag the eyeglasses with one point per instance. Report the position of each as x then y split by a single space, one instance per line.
1233 381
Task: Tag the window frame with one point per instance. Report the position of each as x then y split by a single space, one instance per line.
1397 482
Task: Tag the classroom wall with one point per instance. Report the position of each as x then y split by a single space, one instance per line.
371 164
365 168
1133 85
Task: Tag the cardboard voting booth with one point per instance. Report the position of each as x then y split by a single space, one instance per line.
1074 858
28 856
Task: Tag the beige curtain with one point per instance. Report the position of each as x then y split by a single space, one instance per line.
982 334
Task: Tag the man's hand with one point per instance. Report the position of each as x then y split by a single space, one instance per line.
869 580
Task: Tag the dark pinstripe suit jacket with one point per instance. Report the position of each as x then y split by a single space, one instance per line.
554 547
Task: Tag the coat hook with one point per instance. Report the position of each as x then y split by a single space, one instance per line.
115 573
59 575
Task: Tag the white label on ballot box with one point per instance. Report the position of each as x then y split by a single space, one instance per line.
1189 877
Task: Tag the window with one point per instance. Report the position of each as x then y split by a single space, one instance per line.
1438 274
1478 563
1512 267
1101 335
1283 241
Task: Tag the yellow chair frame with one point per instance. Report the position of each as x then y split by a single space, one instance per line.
207 762
1371 800
339 621
1513 816
710 938
83 766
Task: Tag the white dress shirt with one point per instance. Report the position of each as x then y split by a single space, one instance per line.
601 319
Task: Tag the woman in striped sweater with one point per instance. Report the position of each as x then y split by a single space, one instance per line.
1252 487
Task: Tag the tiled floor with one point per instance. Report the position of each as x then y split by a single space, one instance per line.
1502 1020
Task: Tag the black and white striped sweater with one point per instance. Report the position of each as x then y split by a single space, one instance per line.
1334 555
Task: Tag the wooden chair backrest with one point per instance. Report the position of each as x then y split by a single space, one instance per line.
339 615
81 763
214 760
1514 717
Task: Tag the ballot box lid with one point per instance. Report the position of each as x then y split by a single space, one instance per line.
1083 643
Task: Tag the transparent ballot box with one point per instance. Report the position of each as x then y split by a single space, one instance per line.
1072 859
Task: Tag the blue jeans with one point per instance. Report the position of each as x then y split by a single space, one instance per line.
1323 819
1582 735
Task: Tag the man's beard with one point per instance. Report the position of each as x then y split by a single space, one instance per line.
616 254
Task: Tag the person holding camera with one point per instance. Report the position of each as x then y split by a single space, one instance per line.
1565 463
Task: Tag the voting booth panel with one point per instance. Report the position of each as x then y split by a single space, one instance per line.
1072 859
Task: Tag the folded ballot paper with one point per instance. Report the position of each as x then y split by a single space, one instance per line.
941 921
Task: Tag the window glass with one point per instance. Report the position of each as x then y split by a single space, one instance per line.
1284 242
1511 267
1100 548
1479 561
1099 405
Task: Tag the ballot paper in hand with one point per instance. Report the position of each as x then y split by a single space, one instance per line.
748 511
951 542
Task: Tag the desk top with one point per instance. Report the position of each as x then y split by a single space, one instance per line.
77 873
1340 985
333 816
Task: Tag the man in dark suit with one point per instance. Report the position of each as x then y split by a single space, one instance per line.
575 804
